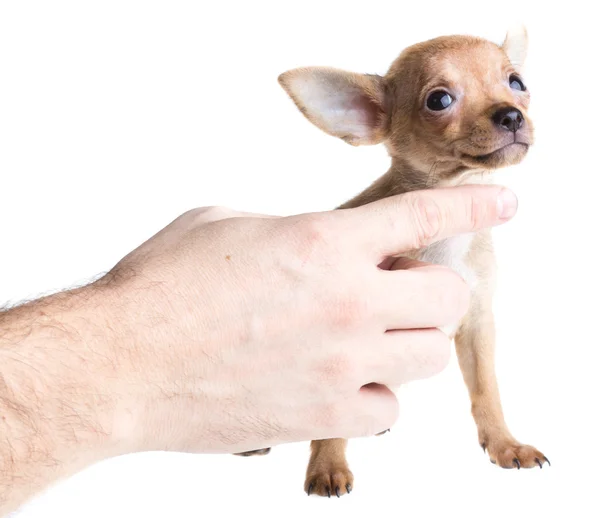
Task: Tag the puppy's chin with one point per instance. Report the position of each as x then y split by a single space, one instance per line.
505 156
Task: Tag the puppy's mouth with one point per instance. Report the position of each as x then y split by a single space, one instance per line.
507 153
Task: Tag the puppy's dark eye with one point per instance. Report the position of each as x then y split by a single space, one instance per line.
516 83
439 100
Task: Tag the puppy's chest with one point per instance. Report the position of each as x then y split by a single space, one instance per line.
451 252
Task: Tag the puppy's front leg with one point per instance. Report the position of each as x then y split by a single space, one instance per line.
328 472
475 344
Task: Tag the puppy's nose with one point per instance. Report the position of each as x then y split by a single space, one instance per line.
508 118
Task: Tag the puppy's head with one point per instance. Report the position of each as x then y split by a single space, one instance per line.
455 102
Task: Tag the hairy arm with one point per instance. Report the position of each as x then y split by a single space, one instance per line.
56 397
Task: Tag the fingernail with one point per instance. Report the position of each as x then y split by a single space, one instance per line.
507 204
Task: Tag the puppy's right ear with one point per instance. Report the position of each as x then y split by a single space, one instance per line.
344 104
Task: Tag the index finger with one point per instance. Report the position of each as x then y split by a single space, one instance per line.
413 220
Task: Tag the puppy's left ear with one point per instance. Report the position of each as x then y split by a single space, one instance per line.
515 45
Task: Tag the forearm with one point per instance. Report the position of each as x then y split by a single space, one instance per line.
56 411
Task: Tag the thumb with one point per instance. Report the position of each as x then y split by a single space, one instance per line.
413 220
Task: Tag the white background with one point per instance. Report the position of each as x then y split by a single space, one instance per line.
117 116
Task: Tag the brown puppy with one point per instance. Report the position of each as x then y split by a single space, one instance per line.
449 111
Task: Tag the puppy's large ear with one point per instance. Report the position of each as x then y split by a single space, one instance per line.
515 45
344 104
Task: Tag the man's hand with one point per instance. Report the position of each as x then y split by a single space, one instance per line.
250 331
228 332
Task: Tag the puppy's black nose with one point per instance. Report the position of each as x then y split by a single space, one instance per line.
508 118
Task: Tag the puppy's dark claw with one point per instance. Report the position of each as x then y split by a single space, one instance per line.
348 488
483 447
337 491
517 463
310 488
538 462
546 459
328 492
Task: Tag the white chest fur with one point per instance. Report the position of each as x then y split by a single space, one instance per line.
452 253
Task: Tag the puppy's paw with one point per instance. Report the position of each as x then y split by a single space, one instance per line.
329 480
510 454
263 451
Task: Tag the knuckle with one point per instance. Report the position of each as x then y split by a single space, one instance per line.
347 311
219 212
190 215
426 218
311 238
314 231
337 369
477 213
209 214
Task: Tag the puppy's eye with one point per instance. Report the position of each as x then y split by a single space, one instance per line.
439 100
516 83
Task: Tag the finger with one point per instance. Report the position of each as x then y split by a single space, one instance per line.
413 220
374 409
425 296
404 356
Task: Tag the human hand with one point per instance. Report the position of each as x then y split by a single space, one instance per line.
244 331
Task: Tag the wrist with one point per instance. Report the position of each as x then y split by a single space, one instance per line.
160 337
57 393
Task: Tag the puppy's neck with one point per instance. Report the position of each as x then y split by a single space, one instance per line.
404 176
412 176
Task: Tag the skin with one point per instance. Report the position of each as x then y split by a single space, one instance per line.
228 332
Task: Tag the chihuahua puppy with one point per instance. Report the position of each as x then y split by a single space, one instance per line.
449 111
